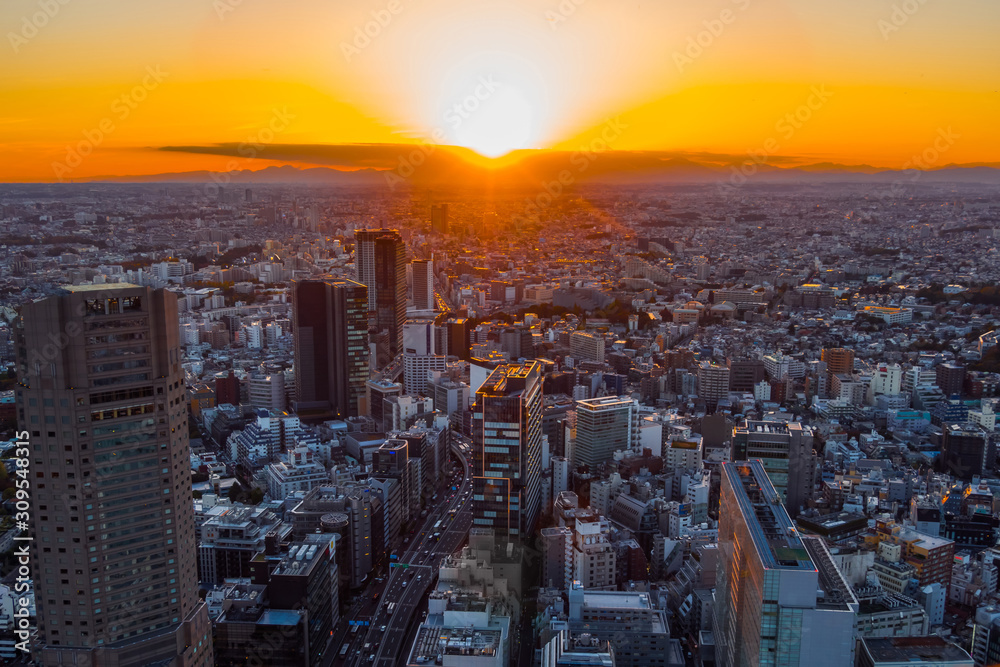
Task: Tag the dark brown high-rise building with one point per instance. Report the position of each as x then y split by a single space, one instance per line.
331 347
967 451
838 360
458 337
423 284
950 378
744 374
227 390
381 265
439 218
101 396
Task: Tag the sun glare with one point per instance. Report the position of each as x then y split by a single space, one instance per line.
499 124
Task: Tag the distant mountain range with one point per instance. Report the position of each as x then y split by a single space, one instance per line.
402 165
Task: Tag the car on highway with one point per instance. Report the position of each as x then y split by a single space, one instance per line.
382 629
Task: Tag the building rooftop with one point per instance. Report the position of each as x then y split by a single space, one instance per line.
836 592
436 640
105 287
763 427
773 533
616 600
920 650
604 401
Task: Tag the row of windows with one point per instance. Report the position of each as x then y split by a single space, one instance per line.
117 338
119 379
123 411
120 365
117 324
121 395
117 351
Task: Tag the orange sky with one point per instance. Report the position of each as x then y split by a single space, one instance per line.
117 80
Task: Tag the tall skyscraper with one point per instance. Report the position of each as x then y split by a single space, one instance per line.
786 451
779 599
603 426
381 265
423 283
507 433
458 337
439 218
102 396
331 346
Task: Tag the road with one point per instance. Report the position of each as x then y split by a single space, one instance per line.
407 583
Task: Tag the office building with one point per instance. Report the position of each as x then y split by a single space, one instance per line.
778 366
585 346
932 557
458 337
580 650
887 380
950 378
779 599
557 557
713 383
102 393
603 426
439 218
378 391
331 350
423 283
639 632
449 397
838 360
745 374
303 579
507 435
380 261
418 369
786 451
227 390
967 451
266 391
986 635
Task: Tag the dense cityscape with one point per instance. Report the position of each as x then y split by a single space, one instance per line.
621 425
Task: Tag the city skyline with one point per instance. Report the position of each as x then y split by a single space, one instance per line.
383 333
850 84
